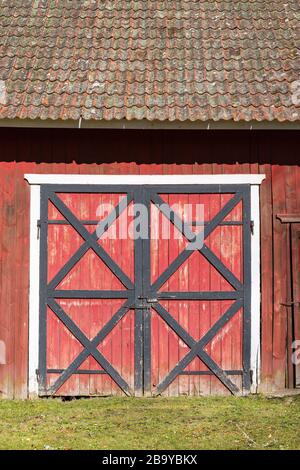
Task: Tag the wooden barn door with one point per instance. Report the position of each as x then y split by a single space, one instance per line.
87 291
200 324
157 313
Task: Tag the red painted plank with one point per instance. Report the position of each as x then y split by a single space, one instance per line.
7 296
291 206
202 282
280 267
267 276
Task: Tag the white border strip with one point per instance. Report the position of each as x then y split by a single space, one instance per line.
255 289
37 179
144 179
34 288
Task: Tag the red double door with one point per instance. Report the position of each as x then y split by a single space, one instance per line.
139 296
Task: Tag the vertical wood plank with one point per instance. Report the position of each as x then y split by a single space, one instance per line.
291 207
267 277
280 267
8 245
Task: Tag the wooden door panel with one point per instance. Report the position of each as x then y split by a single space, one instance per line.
200 295
87 292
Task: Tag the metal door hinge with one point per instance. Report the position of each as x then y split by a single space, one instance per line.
252 227
38 229
37 373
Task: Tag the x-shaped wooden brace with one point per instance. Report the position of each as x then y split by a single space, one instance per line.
90 346
197 347
90 241
192 237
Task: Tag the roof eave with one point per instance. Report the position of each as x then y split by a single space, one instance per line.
145 124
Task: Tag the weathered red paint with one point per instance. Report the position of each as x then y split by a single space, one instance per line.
112 152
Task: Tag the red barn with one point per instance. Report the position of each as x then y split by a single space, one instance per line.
117 117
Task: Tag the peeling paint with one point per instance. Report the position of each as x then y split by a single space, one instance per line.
2 353
221 335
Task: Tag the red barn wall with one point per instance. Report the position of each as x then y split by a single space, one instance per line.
131 151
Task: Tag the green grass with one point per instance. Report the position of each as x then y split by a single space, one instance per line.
162 423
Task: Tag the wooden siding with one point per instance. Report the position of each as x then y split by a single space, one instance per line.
275 153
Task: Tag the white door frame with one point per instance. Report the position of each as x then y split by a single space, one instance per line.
36 180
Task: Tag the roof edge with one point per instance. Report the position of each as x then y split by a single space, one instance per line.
145 124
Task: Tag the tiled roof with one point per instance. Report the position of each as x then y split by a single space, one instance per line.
165 60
